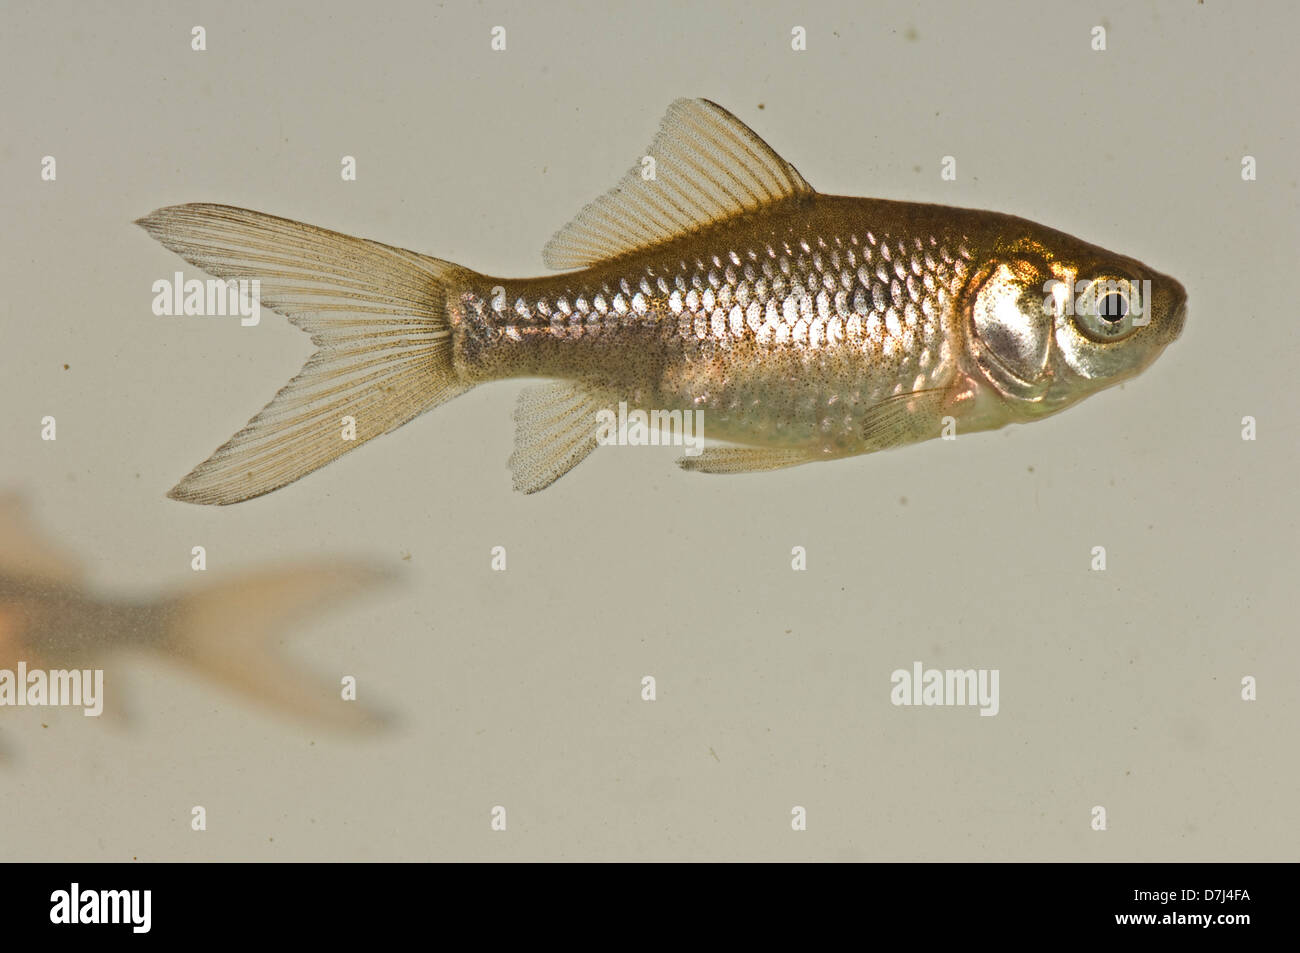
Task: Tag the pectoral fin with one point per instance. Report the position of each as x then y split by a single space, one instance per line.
905 418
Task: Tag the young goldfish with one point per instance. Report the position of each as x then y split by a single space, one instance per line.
713 278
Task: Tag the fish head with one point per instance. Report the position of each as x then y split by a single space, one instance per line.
1052 319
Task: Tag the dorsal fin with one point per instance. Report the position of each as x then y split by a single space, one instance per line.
708 166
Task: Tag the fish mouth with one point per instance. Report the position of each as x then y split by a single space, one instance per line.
1175 311
1179 316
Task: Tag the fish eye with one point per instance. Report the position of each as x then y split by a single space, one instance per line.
1104 313
1113 307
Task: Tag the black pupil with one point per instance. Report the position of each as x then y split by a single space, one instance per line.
1113 308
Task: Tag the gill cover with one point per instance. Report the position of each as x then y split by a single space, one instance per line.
1012 327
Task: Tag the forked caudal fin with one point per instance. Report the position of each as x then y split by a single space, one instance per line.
378 315
229 632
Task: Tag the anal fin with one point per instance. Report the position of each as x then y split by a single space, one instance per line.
555 429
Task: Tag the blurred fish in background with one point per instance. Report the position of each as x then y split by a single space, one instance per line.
229 631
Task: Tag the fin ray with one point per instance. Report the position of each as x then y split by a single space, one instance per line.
744 459
903 418
555 430
709 166
377 314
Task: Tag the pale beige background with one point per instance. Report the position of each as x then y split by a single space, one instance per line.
522 688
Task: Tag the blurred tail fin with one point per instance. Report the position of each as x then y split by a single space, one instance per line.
232 631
